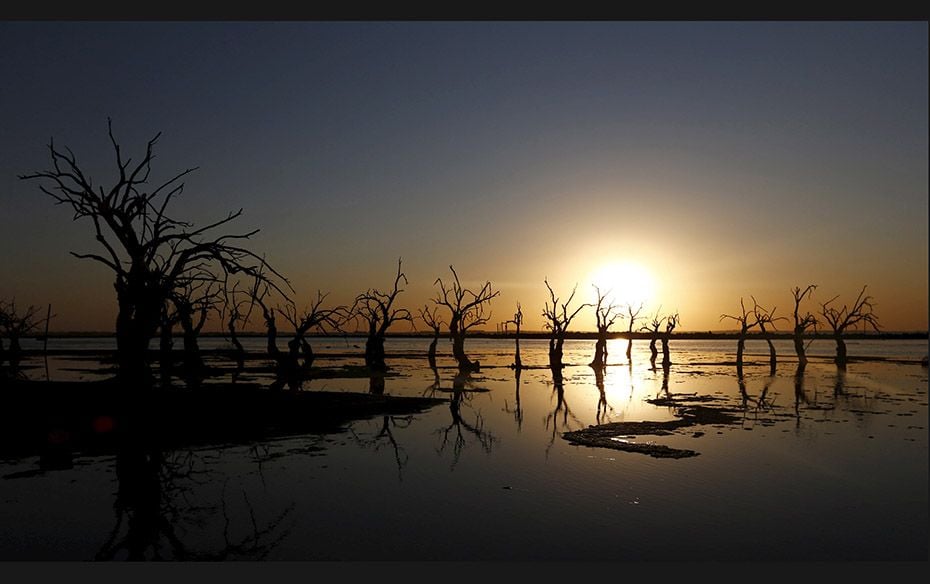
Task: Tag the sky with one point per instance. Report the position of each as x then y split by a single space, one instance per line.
716 160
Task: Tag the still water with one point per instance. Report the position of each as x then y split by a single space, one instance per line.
830 465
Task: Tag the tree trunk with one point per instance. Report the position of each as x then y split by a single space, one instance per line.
517 363
740 344
799 348
458 351
772 359
600 349
840 351
374 353
629 348
136 324
431 354
666 359
652 350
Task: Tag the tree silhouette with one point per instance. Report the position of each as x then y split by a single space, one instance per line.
432 320
376 308
557 320
802 322
634 316
746 320
653 328
767 317
840 319
14 326
517 320
150 252
466 310
193 304
671 321
605 315
288 368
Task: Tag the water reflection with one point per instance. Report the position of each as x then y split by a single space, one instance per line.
152 508
558 419
455 434
517 410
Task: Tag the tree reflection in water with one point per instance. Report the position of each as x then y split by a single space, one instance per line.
154 511
456 433
558 419
517 410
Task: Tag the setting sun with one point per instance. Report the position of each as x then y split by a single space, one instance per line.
625 282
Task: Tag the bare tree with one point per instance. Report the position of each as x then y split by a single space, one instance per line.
193 304
746 320
314 317
557 320
466 310
653 329
432 320
634 316
517 320
861 313
148 251
236 311
605 315
802 322
288 367
767 317
15 325
376 308
671 321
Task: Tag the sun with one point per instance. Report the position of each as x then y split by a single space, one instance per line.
625 282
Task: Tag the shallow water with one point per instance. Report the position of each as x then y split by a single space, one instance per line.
828 466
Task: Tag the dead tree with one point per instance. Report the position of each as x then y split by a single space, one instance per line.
671 321
861 313
193 305
653 330
605 315
14 326
466 310
802 322
746 321
147 249
235 313
376 308
517 320
767 317
558 319
432 320
314 317
634 316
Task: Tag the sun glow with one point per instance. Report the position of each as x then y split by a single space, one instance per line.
625 282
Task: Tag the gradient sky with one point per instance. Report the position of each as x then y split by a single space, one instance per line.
729 159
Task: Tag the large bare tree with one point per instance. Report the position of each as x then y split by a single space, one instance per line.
466 310
377 309
605 313
861 313
802 322
148 249
558 318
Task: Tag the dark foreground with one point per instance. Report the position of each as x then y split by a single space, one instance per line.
55 419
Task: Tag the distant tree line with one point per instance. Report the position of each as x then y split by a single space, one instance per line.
169 273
